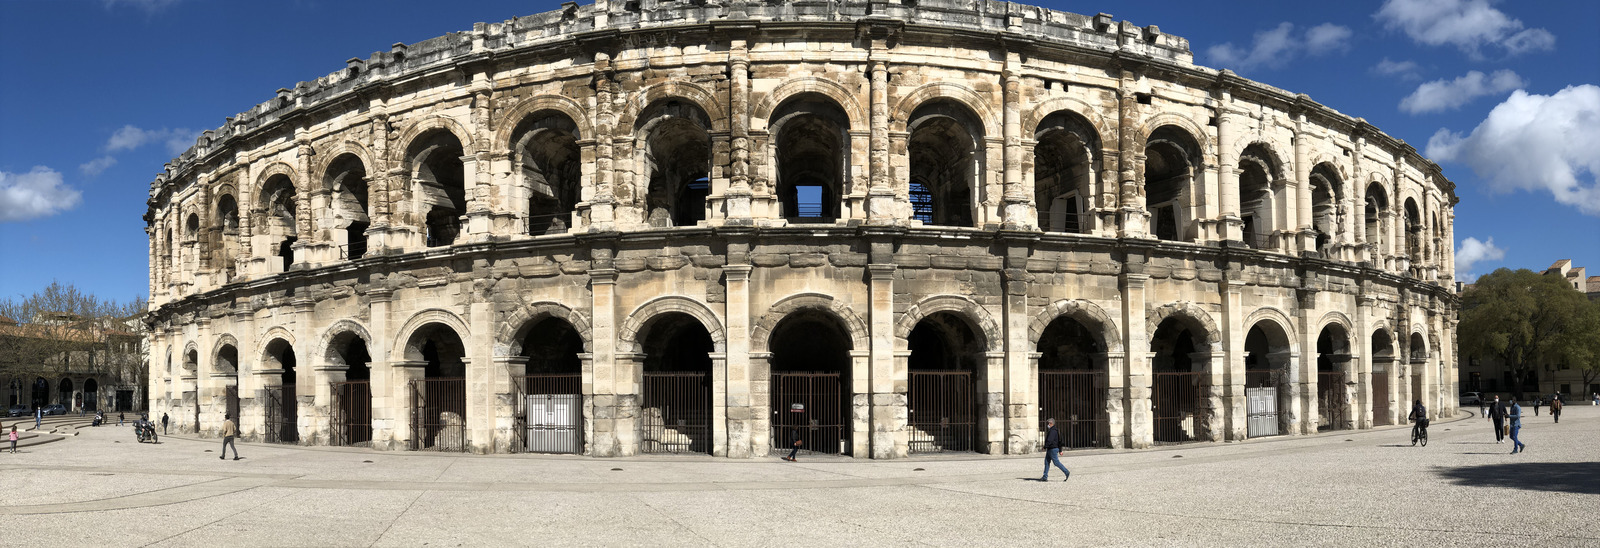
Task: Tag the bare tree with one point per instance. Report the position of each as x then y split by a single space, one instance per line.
61 330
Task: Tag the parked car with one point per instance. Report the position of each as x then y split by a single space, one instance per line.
1471 398
17 410
55 409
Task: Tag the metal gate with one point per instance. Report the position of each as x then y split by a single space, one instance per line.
676 414
1076 400
1380 399
809 406
230 402
1175 407
554 422
282 424
1261 411
351 412
943 415
1331 404
439 414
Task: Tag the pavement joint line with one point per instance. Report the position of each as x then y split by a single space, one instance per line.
215 521
675 521
396 519
158 497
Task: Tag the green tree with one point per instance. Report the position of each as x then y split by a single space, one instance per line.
1525 319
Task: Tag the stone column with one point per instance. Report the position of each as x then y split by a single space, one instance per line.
602 211
745 425
1135 220
1021 363
1306 366
1301 218
861 426
1017 202
760 423
736 201
719 404
1135 377
387 402
610 388
491 397
880 196
888 380
1228 171
1215 403
992 394
1228 373
403 414
326 374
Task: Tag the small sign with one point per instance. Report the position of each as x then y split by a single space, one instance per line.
797 408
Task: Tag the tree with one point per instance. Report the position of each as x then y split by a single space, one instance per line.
61 329
1525 319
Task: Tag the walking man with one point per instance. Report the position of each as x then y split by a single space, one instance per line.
1536 403
1497 415
794 444
1052 451
229 431
164 429
38 417
1555 409
1516 426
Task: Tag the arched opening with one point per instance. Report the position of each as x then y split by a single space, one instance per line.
282 402
191 396
227 248
677 158
545 150
1266 378
346 181
439 398
1333 397
810 382
1064 164
1260 184
91 396
278 203
676 414
1172 160
226 365
1179 378
1377 204
1383 363
1413 233
41 393
947 355
812 152
439 185
1072 384
351 407
1418 350
946 160
64 397
191 227
1327 193
553 386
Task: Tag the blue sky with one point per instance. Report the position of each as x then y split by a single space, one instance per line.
95 95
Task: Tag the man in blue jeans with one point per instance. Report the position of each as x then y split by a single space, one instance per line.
1516 428
1052 451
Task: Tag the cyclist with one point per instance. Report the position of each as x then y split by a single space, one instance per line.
1419 428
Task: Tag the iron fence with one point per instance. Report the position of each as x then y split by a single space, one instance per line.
552 417
1175 407
809 407
439 415
943 413
1380 399
283 424
676 414
351 413
1331 403
1076 400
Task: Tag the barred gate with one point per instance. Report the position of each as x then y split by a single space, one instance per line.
943 415
676 414
351 413
1076 400
1175 402
552 414
1380 398
810 406
1261 411
439 415
283 426
231 402
1331 404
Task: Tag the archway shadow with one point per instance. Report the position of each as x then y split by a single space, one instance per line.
1569 477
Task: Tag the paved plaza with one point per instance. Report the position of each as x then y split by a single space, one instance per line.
101 488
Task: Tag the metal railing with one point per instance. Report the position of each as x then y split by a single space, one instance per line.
439 415
351 413
809 407
942 411
1331 404
1076 400
676 414
282 410
1175 407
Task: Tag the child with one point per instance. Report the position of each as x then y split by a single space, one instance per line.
13 439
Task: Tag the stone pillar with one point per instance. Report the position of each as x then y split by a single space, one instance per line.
888 375
491 398
1306 366
719 404
744 424
610 387
760 423
1135 220
602 211
1228 171
1228 373
1301 219
401 374
1021 367
1017 201
992 398
1361 361
1215 402
326 374
1136 376
736 201
861 412
880 196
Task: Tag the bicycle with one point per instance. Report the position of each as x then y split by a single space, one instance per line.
1419 432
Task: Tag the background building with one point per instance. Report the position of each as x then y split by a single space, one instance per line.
1489 375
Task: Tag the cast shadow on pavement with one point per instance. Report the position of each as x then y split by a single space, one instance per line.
1570 477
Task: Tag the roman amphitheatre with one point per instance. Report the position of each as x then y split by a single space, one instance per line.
884 229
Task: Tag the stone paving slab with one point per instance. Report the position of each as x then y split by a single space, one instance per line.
1336 489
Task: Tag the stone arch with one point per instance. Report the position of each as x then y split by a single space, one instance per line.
1418 336
1331 160
325 342
1271 314
860 338
423 318
968 310
273 170
533 105
1191 314
627 335
1031 121
508 337
216 353
1273 160
680 90
276 332
1335 318
1201 137
422 127
794 87
327 156
963 95
1085 312
191 350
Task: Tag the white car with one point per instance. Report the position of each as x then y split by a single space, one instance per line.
1471 398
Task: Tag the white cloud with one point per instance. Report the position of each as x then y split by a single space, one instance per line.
1535 142
1405 70
37 193
1440 95
1466 24
1473 252
1276 47
97 165
146 5
130 137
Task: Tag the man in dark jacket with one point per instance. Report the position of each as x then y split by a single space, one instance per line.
1052 451
1497 415
1555 408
